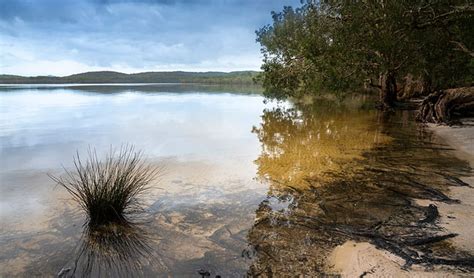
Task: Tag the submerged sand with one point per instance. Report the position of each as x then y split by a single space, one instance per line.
363 259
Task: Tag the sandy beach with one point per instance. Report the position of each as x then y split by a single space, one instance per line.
362 259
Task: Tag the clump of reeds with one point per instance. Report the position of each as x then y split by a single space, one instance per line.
109 190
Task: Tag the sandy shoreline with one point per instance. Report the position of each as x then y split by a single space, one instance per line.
358 259
461 216
459 137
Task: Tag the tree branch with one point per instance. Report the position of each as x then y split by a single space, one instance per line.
462 47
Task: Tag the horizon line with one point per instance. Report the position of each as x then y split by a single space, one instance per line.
129 73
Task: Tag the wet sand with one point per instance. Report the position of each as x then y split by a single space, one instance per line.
363 259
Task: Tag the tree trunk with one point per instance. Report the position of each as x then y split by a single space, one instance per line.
445 105
413 87
388 90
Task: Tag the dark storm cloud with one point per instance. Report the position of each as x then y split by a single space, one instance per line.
66 36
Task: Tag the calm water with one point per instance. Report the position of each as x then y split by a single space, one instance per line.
248 187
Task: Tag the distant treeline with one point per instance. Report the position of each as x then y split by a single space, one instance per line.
236 77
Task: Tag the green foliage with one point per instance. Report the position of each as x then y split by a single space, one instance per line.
342 45
292 55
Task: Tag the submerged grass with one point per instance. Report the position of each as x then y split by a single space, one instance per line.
109 191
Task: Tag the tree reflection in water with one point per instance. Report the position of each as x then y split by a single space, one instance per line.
341 174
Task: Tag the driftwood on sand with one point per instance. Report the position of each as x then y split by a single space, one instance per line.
445 106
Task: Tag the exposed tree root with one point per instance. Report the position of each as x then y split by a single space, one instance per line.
445 106
431 214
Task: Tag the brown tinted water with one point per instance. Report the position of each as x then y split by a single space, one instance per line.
248 188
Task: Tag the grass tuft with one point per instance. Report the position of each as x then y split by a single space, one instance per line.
109 191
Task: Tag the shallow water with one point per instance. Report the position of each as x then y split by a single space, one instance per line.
248 187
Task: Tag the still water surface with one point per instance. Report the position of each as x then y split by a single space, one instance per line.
247 188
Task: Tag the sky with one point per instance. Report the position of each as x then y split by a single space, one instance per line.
63 37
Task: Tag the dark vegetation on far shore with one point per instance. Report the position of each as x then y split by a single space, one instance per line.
235 77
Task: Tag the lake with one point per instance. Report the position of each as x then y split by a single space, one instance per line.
247 186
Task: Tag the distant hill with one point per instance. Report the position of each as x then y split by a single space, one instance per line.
236 77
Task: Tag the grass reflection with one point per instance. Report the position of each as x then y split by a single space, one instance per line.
112 250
